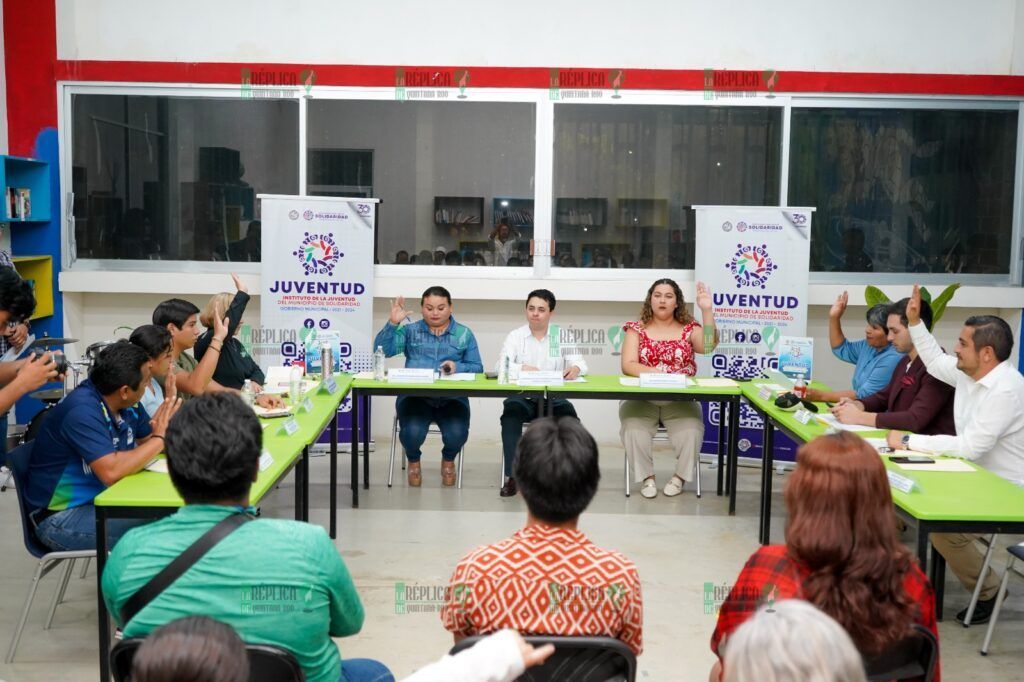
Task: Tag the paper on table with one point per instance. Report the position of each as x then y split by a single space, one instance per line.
364 375
715 382
577 380
458 376
266 412
950 464
830 420
775 388
158 466
629 381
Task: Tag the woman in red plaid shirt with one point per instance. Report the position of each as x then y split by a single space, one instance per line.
842 552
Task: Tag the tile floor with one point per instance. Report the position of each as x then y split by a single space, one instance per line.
402 535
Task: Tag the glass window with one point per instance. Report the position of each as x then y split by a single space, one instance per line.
176 178
626 175
456 178
904 190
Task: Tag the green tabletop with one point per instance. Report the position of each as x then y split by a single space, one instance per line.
979 495
786 419
154 489
478 384
604 383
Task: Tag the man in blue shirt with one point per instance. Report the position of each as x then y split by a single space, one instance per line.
873 356
94 437
439 343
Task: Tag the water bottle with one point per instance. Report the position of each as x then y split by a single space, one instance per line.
326 361
800 387
378 364
295 385
248 393
503 377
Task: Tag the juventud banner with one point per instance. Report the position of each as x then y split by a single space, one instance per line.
755 259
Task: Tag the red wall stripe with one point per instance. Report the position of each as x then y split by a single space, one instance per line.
536 77
30 51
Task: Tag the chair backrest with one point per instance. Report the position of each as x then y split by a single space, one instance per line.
913 657
266 663
576 659
18 460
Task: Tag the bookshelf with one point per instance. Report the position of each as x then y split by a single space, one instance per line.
32 178
519 212
38 272
642 213
583 212
459 211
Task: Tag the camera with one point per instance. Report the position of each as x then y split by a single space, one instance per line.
59 359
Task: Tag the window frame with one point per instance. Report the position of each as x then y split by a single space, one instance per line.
543 175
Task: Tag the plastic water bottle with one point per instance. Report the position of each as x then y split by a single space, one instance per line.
248 393
378 364
800 387
503 371
326 361
295 385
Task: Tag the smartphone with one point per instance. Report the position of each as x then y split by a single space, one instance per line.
912 459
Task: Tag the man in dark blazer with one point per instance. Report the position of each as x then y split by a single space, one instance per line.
913 400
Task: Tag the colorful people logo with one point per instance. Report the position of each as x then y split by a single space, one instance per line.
318 254
751 266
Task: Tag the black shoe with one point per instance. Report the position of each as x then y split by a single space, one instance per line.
982 612
509 489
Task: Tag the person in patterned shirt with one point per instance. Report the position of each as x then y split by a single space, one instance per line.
842 553
665 340
549 578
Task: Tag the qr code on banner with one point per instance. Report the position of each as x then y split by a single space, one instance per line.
742 366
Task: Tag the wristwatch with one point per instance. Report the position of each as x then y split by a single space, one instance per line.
905 441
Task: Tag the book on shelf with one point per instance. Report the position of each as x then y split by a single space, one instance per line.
19 203
521 217
447 216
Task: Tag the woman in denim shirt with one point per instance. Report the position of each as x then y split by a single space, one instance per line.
440 343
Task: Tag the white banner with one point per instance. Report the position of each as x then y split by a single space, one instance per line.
317 280
755 259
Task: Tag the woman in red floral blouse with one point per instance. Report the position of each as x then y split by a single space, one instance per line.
665 340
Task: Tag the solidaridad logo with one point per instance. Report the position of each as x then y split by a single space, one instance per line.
751 266
318 254
726 226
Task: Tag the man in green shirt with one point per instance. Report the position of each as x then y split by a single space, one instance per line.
276 582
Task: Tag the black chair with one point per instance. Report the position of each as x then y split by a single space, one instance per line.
913 657
18 460
576 659
266 663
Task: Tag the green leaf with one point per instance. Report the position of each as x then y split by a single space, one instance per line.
939 304
926 295
873 296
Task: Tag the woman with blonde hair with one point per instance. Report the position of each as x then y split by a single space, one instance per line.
235 365
665 340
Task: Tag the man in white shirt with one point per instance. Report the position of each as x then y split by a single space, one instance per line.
534 346
988 409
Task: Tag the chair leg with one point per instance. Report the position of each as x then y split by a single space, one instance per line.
7 480
85 569
24 611
462 456
626 467
58 596
696 466
1000 596
985 568
394 444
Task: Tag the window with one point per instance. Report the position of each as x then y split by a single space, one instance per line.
174 178
626 175
906 190
455 179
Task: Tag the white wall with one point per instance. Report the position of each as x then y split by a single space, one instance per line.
491 321
913 36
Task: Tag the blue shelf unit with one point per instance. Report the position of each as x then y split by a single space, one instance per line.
33 175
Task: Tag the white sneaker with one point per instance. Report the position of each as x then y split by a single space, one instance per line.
673 487
649 489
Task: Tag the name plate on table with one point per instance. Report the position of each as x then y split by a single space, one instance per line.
407 375
541 378
266 459
307 404
290 427
765 393
803 416
900 482
330 384
652 380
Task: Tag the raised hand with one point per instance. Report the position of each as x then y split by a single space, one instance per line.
839 307
914 307
239 284
220 324
168 408
704 301
170 385
398 311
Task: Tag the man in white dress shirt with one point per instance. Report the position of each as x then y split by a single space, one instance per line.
988 410
534 346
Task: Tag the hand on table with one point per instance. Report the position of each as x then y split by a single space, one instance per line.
839 307
815 396
448 367
894 439
268 401
848 412
571 373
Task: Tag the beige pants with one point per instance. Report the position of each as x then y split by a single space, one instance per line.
965 560
685 428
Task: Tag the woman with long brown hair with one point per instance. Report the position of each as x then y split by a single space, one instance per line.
842 552
665 340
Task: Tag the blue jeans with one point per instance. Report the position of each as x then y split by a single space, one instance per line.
517 412
75 528
364 670
416 414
